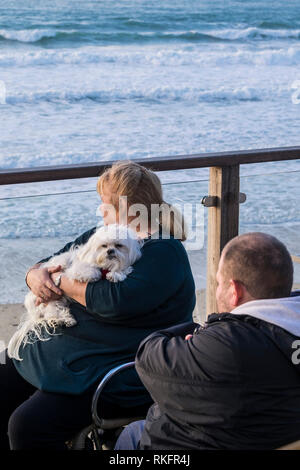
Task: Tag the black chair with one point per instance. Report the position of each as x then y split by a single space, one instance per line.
107 425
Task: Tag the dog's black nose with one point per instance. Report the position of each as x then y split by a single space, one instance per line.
110 252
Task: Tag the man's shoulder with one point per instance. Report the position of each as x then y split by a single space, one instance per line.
232 331
230 322
244 333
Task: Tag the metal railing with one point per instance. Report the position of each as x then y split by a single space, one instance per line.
224 190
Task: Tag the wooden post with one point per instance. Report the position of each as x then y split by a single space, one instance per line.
223 223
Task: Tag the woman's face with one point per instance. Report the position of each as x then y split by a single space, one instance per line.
109 213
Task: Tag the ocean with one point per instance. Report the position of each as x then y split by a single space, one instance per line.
90 81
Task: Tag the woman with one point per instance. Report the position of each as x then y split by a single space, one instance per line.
45 399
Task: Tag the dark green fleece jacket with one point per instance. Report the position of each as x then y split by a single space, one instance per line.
159 293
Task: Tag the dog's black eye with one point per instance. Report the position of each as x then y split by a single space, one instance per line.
104 246
118 245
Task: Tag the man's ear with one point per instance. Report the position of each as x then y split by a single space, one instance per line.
237 292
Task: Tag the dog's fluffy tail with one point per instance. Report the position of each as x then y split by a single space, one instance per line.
28 332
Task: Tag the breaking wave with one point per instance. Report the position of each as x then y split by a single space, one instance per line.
95 36
155 94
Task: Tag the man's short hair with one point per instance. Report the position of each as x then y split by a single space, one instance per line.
261 262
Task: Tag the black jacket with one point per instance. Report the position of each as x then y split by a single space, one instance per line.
232 386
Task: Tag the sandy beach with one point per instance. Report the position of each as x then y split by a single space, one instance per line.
10 315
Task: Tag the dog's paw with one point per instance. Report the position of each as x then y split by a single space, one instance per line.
110 277
63 320
128 270
115 276
70 322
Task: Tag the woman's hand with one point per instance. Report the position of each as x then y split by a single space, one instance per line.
73 289
40 282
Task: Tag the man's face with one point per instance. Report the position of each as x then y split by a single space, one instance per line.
223 292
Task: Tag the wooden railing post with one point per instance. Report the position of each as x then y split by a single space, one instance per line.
223 223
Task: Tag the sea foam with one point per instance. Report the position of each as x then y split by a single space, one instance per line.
166 57
27 35
133 36
152 94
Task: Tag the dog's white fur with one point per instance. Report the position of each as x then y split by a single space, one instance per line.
112 247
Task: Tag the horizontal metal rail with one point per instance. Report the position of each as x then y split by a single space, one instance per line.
178 162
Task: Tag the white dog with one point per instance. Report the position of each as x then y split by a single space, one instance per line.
112 248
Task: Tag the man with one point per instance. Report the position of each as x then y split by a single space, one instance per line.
235 382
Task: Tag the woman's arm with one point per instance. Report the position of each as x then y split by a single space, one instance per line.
73 289
156 277
151 282
39 280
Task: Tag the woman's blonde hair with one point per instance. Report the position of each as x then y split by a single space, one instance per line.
141 186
